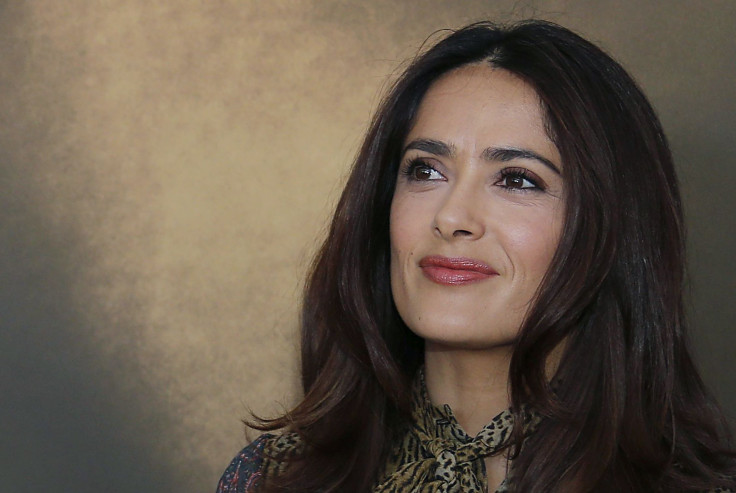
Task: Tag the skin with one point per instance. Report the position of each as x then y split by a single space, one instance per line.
479 179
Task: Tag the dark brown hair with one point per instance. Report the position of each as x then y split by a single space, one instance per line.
628 411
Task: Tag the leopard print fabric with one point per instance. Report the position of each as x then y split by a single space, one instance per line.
433 453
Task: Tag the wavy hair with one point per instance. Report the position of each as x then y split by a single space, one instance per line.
628 411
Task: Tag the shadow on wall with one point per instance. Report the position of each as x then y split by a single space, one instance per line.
72 417
68 422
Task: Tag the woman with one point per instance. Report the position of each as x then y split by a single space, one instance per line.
509 244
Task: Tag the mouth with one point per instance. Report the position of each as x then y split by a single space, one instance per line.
455 271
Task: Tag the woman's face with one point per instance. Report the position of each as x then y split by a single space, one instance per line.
477 212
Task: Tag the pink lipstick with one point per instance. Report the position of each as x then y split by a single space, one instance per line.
455 271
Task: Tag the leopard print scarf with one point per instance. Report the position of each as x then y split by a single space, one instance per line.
434 454
431 454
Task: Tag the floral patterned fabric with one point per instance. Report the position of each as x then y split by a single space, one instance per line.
244 473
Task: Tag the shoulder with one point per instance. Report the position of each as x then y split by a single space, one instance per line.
244 473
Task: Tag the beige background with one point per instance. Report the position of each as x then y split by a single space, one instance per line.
167 169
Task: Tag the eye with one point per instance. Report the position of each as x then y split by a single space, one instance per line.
519 179
419 170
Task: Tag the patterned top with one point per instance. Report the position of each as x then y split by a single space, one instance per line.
432 454
435 454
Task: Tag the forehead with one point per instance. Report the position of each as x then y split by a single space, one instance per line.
478 105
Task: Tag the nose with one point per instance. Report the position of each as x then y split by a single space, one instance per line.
459 215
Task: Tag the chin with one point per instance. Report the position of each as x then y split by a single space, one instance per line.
452 337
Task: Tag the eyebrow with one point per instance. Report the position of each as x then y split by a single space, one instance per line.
431 146
502 154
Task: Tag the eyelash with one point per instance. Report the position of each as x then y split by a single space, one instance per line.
520 173
413 165
524 175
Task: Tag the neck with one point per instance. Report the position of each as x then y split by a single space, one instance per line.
473 382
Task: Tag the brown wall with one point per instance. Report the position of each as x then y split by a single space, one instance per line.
168 167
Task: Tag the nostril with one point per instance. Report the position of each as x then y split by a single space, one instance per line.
462 232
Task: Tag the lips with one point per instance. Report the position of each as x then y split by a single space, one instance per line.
455 271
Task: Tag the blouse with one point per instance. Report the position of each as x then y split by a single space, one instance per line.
432 453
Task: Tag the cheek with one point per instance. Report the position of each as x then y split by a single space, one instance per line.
396 236
401 230
535 244
405 230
